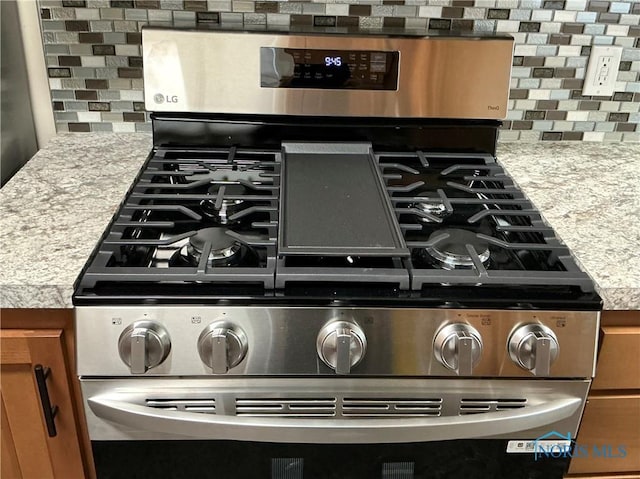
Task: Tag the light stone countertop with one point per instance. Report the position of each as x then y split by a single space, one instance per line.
590 194
55 209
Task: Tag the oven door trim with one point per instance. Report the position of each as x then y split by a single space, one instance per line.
119 409
332 431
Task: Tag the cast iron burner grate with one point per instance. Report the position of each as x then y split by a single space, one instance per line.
185 194
480 199
234 194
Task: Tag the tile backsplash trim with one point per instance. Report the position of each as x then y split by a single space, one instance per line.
93 54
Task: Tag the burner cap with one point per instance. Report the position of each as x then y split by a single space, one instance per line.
433 206
228 206
451 253
223 247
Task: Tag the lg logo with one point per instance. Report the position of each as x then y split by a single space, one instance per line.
160 98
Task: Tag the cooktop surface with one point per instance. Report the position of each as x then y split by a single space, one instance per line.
391 226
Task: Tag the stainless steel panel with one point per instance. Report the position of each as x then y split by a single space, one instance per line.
282 340
219 72
122 409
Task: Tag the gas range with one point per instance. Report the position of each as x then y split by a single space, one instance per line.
322 248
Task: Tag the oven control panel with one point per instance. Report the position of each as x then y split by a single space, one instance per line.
328 69
270 73
286 341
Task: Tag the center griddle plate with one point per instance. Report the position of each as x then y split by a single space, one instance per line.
334 203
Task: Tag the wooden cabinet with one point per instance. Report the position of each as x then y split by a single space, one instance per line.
30 448
612 414
619 359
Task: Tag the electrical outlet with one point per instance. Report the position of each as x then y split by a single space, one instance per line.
602 71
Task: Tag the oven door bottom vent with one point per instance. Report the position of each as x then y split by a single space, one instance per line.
183 404
335 407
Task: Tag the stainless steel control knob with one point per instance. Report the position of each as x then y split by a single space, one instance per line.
144 345
341 345
534 347
222 346
458 347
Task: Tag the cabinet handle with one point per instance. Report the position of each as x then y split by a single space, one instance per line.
49 411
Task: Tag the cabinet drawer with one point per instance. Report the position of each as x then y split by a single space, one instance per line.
615 421
619 360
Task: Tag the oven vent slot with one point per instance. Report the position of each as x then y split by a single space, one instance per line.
286 407
207 405
478 406
397 407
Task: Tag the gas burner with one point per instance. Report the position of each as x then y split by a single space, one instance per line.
433 206
225 250
228 206
451 253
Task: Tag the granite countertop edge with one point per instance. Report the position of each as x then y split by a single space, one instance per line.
74 167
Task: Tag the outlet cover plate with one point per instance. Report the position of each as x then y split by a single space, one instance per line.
602 71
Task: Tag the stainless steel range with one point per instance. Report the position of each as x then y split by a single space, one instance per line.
322 271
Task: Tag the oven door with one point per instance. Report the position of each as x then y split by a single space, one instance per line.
329 428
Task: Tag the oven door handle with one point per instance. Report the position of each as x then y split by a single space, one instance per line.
331 431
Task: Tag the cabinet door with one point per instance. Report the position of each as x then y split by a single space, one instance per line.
28 451
619 359
614 421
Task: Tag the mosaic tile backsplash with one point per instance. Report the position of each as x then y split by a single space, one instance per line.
93 54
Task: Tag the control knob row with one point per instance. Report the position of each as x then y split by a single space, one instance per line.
341 345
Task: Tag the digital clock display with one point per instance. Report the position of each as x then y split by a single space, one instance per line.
328 69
